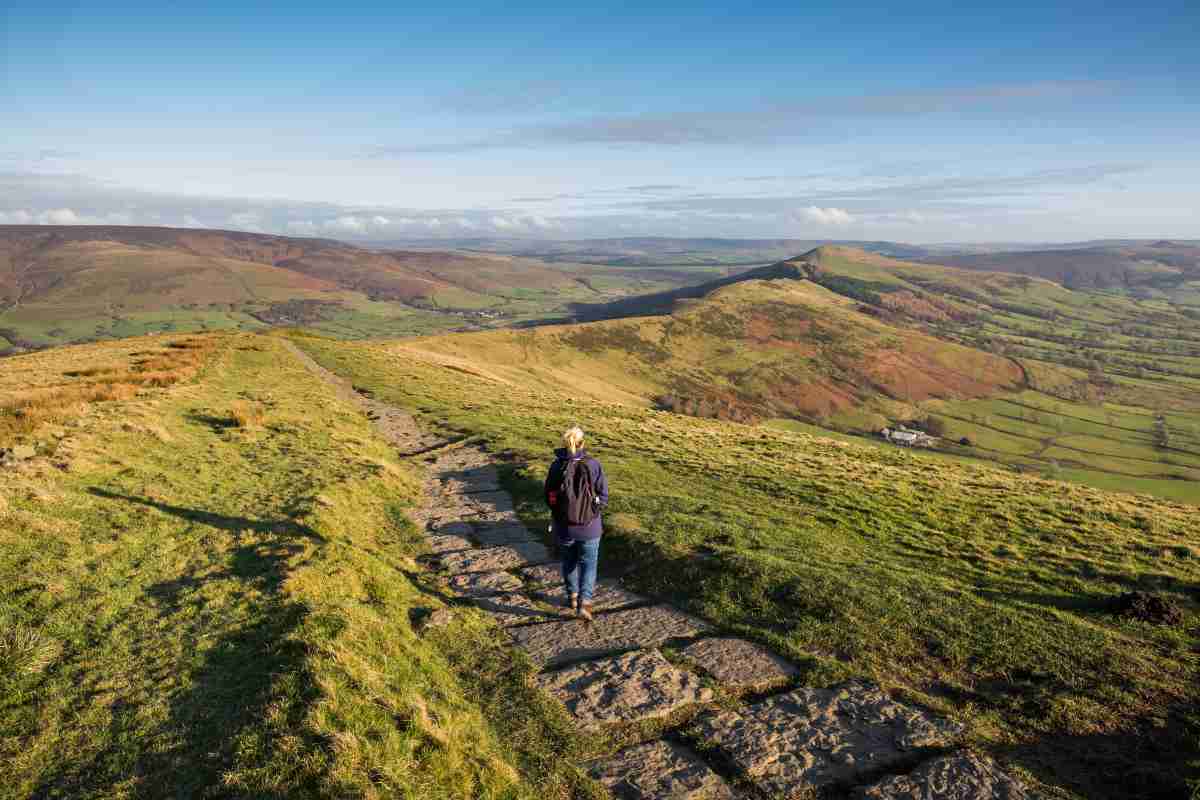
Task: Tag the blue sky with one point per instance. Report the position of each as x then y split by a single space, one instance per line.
372 121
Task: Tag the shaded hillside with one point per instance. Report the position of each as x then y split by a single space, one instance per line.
1160 265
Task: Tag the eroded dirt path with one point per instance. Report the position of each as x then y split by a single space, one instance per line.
737 724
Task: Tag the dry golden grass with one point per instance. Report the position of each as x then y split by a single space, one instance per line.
35 391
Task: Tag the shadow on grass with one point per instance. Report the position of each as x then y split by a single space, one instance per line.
241 711
279 527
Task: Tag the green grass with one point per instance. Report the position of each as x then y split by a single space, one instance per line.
971 589
224 611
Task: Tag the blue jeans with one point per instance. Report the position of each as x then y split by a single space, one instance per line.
579 561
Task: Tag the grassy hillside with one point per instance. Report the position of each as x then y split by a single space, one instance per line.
977 591
753 349
87 283
207 590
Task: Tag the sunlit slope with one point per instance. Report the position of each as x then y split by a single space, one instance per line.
208 589
976 590
752 349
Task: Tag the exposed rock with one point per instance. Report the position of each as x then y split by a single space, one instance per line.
569 640
448 544
660 771
609 595
739 664
23 452
489 559
625 688
515 609
809 739
478 584
961 776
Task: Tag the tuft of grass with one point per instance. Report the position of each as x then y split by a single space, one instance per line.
24 652
248 414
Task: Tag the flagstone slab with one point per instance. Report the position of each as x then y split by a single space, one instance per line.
556 643
491 502
513 608
483 583
543 575
809 739
625 688
469 481
660 770
447 544
456 529
490 559
960 776
489 533
739 664
610 595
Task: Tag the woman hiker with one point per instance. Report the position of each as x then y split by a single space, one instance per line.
576 490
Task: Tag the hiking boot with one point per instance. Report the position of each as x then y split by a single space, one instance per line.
585 610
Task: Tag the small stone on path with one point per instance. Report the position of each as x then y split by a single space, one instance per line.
739 664
477 584
660 770
557 643
489 559
960 776
448 544
625 688
809 739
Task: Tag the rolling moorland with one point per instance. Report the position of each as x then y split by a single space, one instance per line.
210 590
77 284
1085 385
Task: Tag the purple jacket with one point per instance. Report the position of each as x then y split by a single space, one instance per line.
593 529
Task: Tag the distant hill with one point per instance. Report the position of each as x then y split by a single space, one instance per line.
666 252
61 284
1160 265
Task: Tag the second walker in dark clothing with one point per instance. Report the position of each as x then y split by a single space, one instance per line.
580 544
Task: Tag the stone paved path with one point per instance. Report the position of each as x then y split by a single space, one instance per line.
850 740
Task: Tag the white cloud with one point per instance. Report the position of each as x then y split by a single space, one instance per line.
381 221
826 216
191 222
502 223
302 226
59 216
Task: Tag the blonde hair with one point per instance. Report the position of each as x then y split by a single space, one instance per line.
573 439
